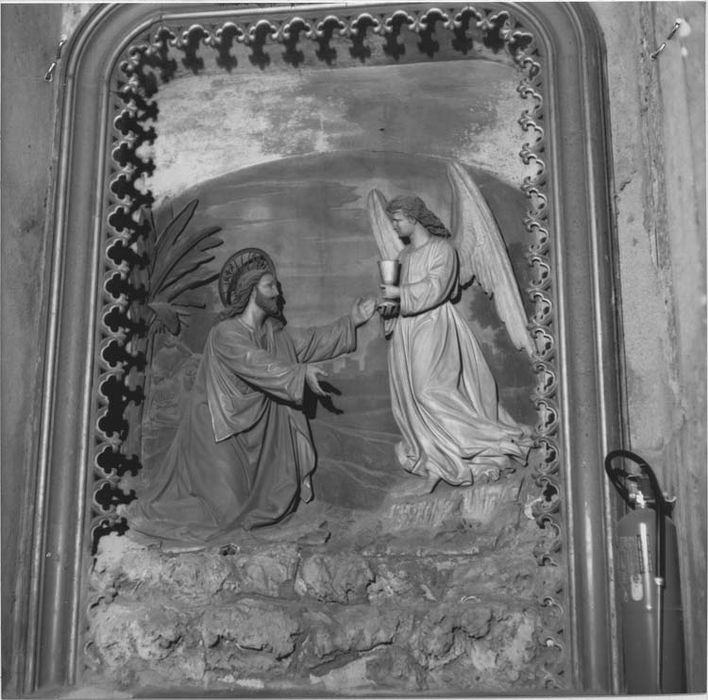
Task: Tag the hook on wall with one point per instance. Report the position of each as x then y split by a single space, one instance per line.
49 75
682 27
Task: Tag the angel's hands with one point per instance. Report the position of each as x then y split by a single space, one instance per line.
312 377
389 309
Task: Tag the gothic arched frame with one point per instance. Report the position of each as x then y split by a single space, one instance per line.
577 257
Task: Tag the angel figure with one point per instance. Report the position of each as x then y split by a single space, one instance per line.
443 395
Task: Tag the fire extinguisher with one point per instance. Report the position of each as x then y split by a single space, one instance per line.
649 584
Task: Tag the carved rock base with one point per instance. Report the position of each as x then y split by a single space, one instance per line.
429 594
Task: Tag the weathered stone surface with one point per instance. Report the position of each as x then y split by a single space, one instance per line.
499 575
404 579
134 638
395 668
481 504
491 502
125 565
252 625
358 628
365 675
505 656
439 636
128 566
340 578
268 572
335 601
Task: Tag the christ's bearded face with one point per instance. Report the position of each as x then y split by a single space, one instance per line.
268 295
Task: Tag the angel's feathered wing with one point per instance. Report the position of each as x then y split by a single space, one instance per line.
387 239
483 254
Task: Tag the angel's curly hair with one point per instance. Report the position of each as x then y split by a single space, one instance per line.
414 206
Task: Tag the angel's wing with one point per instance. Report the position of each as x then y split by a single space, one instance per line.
387 239
483 254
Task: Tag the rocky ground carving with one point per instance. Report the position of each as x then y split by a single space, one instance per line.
430 594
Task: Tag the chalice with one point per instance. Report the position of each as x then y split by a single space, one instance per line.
389 270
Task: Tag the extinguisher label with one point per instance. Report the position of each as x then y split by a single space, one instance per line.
635 564
641 547
637 588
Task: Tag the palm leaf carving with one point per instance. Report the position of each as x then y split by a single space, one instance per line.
168 227
185 258
178 254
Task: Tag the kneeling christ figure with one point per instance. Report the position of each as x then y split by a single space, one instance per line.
243 456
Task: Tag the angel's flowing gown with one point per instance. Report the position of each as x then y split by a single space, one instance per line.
443 395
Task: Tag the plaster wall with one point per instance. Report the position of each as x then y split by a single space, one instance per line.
657 118
29 41
656 115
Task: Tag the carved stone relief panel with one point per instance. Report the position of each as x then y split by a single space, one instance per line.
269 132
268 128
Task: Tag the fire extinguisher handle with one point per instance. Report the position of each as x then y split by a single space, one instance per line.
617 476
625 453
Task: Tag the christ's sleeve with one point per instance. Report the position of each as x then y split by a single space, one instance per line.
240 378
242 361
324 342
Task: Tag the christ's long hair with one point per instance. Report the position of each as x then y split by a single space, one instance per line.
241 293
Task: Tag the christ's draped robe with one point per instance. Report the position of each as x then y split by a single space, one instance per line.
444 397
243 454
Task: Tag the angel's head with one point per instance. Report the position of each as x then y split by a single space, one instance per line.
407 211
